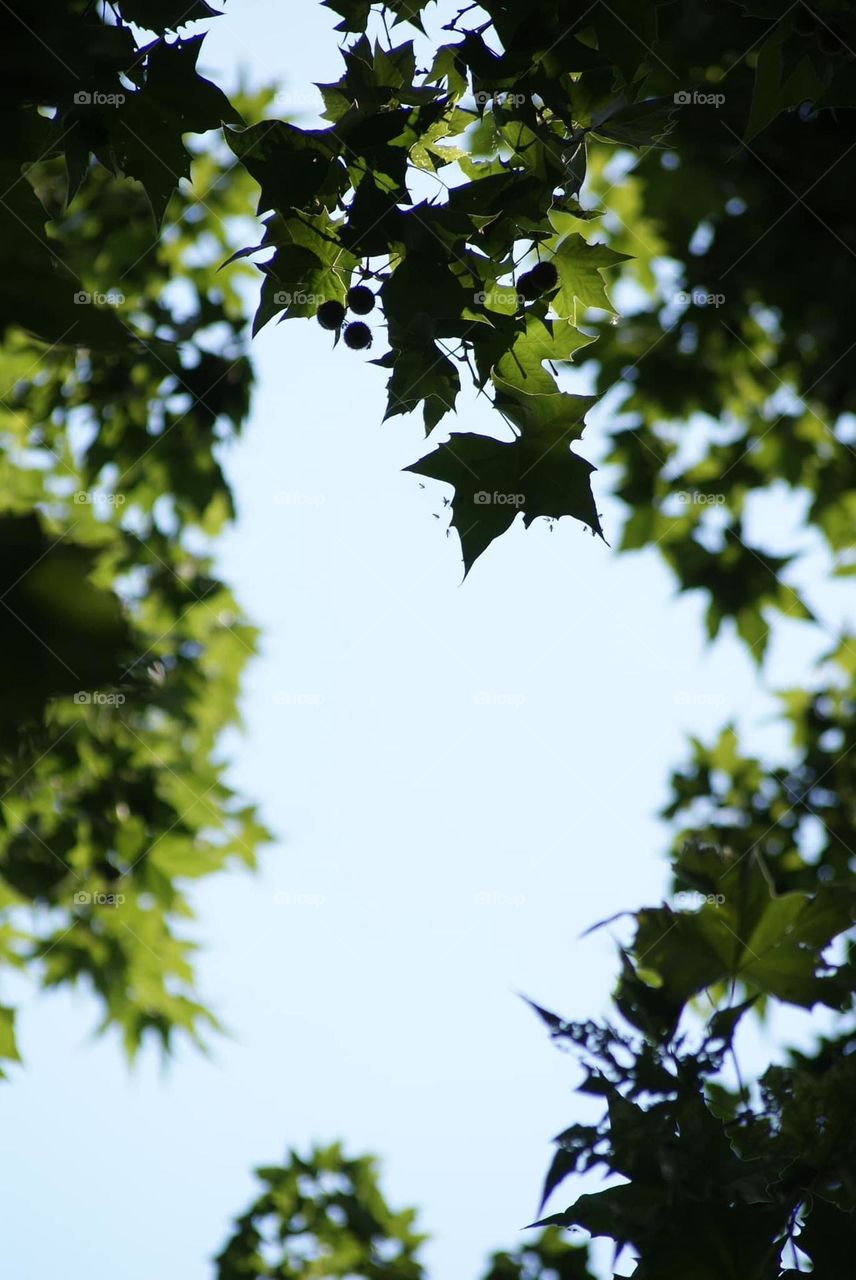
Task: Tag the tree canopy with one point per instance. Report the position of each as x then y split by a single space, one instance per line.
484 185
125 375
324 1214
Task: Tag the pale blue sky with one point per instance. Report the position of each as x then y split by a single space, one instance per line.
462 779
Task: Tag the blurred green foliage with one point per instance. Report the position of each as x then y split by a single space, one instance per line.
323 1215
124 376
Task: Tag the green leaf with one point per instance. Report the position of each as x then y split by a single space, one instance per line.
581 266
8 1043
295 168
62 635
495 480
422 375
639 124
146 130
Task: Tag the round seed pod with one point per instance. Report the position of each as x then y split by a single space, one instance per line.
330 315
361 300
544 277
358 336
